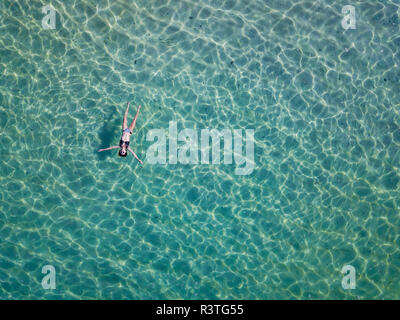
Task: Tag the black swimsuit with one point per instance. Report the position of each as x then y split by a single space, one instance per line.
121 142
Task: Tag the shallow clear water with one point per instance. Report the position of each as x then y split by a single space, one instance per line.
324 193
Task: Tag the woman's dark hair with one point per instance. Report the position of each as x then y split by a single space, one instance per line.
122 155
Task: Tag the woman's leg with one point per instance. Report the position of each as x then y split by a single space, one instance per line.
125 122
132 126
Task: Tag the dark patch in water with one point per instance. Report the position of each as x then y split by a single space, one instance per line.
107 135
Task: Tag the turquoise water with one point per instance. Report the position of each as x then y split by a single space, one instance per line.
324 193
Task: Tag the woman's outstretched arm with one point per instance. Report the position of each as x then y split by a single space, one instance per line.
134 154
113 147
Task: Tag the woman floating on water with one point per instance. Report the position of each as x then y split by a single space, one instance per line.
126 133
